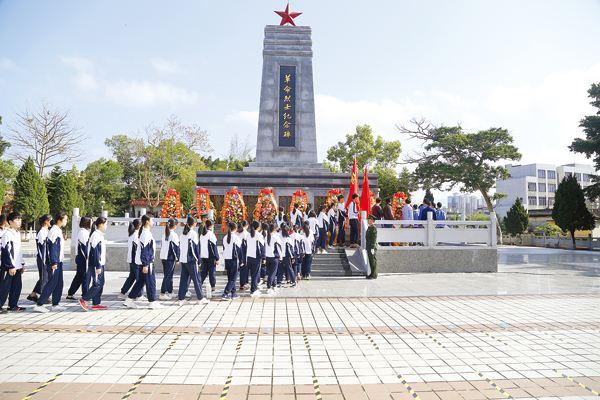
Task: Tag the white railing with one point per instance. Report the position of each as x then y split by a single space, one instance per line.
434 234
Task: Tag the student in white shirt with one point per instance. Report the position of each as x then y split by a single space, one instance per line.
254 254
132 243
12 263
273 256
332 215
169 255
40 258
94 281
209 255
190 263
296 215
289 254
54 265
307 244
3 228
299 251
353 210
322 226
312 224
342 214
232 254
81 259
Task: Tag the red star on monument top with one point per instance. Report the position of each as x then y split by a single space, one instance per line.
287 17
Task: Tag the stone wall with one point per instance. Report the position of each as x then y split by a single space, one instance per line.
437 260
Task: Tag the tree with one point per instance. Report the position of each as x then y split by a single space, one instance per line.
590 146
8 171
47 136
152 163
63 193
570 212
517 219
548 229
452 157
104 188
429 196
366 148
388 181
407 182
31 199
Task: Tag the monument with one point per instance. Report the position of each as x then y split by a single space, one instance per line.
286 146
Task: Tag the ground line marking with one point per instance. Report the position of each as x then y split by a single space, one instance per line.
42 386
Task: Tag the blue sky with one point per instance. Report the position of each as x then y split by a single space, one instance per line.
118 66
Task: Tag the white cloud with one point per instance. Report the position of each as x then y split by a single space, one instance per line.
128 93
165 66
248 117
7 63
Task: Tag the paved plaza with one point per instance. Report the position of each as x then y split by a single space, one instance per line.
532 330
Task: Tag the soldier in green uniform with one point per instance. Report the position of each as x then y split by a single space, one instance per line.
371 236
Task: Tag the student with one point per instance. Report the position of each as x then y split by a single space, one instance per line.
54 265
307 245
341 207
289 254
387 211
353 210
12 264
3 228
307 211
232 253
280 218
264 229
254 255
415 212
377 210
407 211
132 243
296 215
440 214
273 255
144 258
209 255
169 255
244 272
322 226
40 258
190 263
81 259
371 238
332 221
94 281
299 251
427 209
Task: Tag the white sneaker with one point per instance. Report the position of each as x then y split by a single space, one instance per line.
59 308
181 302
204 301
256 293
40 309
188 295
155 305
129 303
270 292
121 296
164 296
142 298
208 292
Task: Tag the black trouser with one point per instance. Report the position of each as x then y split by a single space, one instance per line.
43 276
354 231
53 287
341 239
133 276
11 288
80 278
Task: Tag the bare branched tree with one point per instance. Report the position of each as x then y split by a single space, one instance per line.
238 150
47 136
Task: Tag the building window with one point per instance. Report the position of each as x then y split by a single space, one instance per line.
542 187
550 201
541 173
578 177
587 177
567 174
531 186
551 174
542 201
532 201
551 187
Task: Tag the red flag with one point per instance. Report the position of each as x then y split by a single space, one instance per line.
353 183
365 197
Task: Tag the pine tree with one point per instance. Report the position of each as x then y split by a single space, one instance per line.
31 199
570 212
52 188
62 191
517 219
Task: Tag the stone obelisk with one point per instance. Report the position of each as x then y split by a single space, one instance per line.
286 125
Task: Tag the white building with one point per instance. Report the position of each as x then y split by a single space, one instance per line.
535 184
465 202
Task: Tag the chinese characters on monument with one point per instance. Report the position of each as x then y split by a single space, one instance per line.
287 106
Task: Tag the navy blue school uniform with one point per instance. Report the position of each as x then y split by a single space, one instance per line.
11 285
95 275
341 222
40 259
132 243
333 221
81 261
190 258
286 265
55 244
297 217
169 254
322 226
244 271
232 254
307 244
273 255
209 254
144 257
254 255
